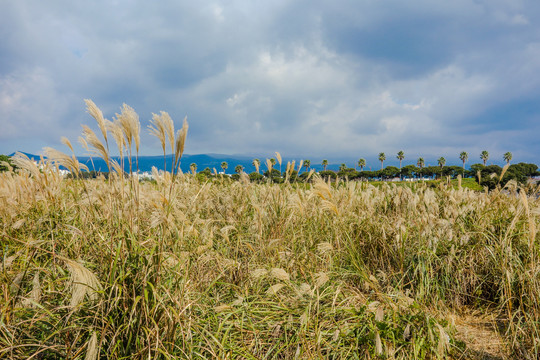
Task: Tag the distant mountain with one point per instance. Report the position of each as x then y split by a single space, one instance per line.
203 161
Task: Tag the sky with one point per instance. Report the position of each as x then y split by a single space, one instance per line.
310 79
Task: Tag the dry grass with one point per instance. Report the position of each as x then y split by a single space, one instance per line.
177 268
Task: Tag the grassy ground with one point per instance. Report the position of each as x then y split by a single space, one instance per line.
180 268
237 270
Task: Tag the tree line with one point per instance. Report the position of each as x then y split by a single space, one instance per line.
483 173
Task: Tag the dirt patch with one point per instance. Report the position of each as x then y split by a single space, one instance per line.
481 334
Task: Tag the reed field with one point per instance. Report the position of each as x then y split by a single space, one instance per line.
186 268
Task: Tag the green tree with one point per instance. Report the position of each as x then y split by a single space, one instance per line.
382 157
224 166
342 167
307 163
324 164
484 155
441 161
507 157
409 171
464 156
362 164
193 168
420 163
400 156
238 169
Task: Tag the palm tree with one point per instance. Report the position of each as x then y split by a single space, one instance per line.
362 164
464 156
484 155
224 166
324 164
342 167
420 163
238 169
306 164
257 164
400 156
193 168
441 162
382 157
507 157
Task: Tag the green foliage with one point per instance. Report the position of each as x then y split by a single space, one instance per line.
6 159
490 176
390 172
274 175
328 174
256 177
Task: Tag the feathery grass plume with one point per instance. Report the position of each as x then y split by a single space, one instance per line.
244 178
287 175
279 274
126 120
321 278
300 165
92 350
83 142
269 166
35 293
96 113
311 172
117 168
115 128
69 162
274 289
16 283
256 164
131 127
157 128
180 142
259 273
18 224
322 189
23 162
444 341
66 142
378 343
98 147
168 124
504 169
324 248
83 282
278 158
530 220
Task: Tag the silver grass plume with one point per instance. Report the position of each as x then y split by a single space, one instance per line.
98 147
97 114
83 281
92 350
180 142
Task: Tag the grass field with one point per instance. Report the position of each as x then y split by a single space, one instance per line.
224 269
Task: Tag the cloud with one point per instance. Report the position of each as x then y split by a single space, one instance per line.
313 78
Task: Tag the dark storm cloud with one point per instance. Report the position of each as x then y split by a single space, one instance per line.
306 78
